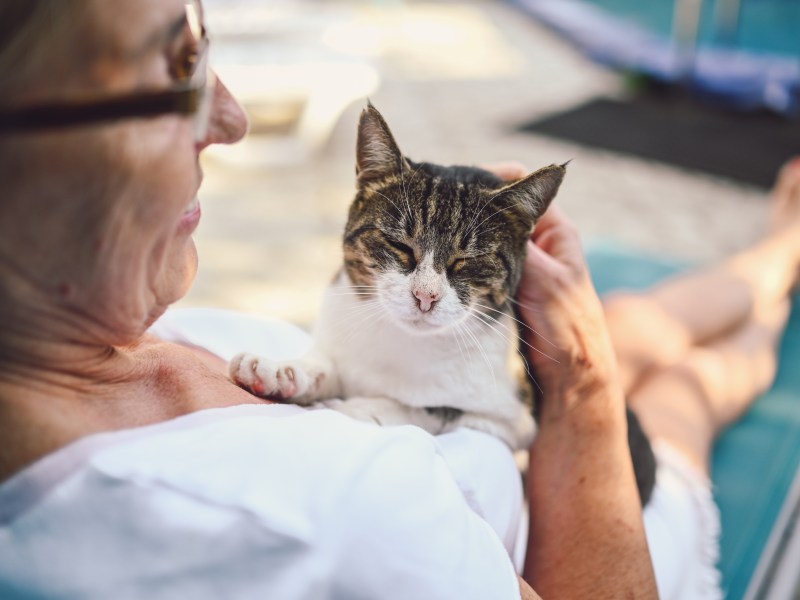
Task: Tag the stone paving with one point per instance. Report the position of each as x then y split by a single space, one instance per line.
455 79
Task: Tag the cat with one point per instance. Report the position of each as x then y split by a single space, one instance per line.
418 325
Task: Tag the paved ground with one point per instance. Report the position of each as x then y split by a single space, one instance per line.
455 78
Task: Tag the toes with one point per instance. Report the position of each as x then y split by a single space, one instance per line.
786 185
267 379
287 383
245 372
786 197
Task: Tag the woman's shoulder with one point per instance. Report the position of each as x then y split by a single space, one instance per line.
219 455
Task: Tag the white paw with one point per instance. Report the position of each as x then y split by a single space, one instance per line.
269 379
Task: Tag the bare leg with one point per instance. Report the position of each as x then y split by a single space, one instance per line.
691 401
697 350
656 329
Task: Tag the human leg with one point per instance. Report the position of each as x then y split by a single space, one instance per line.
656 329
700 348
690 402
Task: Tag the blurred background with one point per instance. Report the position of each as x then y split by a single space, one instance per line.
676 114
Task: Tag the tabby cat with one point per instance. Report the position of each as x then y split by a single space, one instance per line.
418 325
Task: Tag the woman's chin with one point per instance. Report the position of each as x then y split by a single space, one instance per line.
177 280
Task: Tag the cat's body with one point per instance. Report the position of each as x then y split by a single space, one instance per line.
464 370
426 343
418 326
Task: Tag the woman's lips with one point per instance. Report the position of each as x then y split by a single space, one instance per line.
190 218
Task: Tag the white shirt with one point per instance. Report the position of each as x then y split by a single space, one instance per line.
255 501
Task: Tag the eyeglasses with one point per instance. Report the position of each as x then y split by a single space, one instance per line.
191 97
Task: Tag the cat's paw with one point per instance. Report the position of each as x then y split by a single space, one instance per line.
269 379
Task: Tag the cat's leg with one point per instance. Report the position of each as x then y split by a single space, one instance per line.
302 381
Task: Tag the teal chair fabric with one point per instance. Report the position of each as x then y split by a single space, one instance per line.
755 461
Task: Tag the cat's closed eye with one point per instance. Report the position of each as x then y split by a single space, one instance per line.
405 253
455 266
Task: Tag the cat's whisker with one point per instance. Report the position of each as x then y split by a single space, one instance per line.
456 335
518 337
497 212
483 353
397 208
363 307
405 190
478 213
358 319
529 327
525 363
366 294
364 290
361 288
414 174
521 323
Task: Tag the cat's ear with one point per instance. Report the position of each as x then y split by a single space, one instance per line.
377 154
533 194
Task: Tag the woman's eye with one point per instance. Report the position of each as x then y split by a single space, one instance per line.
183 64
406 253
456 265
182 56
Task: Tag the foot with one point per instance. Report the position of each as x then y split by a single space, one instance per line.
786 198
785 218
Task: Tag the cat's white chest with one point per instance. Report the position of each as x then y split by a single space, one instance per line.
463 366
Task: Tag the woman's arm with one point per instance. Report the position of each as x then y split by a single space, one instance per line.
586 533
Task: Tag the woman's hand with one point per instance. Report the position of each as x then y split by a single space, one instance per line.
586 532
568 342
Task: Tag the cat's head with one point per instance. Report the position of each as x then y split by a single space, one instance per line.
434 243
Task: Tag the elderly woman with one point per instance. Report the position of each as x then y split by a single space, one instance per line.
132 467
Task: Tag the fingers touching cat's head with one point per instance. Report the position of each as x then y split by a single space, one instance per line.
437 243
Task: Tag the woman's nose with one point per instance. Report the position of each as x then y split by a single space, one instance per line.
228 122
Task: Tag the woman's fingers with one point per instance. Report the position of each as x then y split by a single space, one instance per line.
508 170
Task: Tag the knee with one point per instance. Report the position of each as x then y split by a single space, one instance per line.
639 325
705 370
685 391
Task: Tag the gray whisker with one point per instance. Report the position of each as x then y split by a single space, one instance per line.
456 335
405 190
497 212
525 364
483 353
478 213
519 337
528 326
397 208
368 315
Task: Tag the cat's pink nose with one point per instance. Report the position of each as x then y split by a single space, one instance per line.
426 299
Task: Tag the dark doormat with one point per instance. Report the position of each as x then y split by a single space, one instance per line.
745 147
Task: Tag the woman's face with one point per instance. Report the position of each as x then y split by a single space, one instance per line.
112 207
